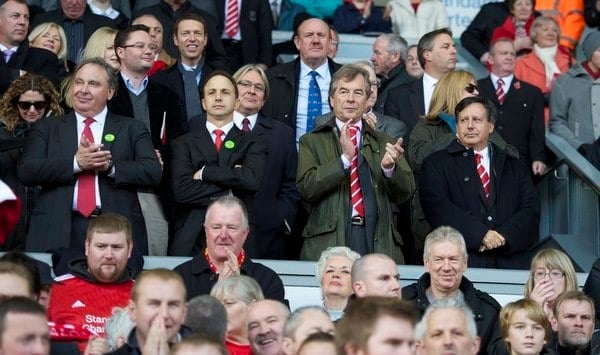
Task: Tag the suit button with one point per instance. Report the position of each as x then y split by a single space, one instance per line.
465 154
489 218
467 179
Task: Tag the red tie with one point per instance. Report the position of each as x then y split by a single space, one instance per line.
246 124
483 175
86 191
232 20
355 192
500 91
218 139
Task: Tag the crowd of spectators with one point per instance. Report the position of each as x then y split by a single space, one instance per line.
167 129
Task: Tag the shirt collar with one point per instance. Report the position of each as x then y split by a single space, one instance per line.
322 70
130 87
238 117
428 80
507 80
100 117
226 128
339 123
484 153
110 12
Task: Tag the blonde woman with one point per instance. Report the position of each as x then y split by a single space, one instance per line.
552 273
101 44
50 36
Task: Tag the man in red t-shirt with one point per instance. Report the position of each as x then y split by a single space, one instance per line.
82 301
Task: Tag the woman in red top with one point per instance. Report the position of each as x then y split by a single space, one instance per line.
517 25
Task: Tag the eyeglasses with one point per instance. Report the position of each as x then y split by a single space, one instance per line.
246 84
26 105
471 88
141 45
555 274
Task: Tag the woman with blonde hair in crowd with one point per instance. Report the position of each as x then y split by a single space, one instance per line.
525 327
102 44
237 293
51 36
333 272
552 273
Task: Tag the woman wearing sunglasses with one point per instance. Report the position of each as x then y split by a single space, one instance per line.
28 99
434 131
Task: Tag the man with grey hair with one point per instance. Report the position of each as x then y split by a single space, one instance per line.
207 316
303 322
96 170
351 188
376 275
445 259
389 59
448 326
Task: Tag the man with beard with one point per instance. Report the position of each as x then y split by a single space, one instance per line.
266 320
572 321
85 297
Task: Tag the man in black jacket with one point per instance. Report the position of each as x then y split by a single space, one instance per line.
445 259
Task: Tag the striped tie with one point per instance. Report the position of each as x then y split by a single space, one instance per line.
232 19
500 91
483 175
358 209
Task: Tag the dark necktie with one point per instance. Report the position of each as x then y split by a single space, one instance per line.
86 190
246 124
315 104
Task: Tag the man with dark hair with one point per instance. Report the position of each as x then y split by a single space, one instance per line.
85 297
78 21
168 11
351 174
375 325
207 316
158 108
199 344
497 213
186 77
226 229
437 54
23 327
218 159
88 162
17 55
158 308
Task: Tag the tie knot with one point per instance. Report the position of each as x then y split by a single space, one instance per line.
314 74
500 82
88 121
218 132
478 157
8 51
353 129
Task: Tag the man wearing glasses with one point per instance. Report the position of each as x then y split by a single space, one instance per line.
157 108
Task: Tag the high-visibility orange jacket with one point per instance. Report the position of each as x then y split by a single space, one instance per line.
569 14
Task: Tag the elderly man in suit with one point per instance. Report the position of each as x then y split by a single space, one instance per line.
351 174
87 162
276 201
520 105
484 192
17 55
216 160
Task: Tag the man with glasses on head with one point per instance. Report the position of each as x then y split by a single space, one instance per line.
484 192
158 109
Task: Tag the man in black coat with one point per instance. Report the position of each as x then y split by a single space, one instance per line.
476 38
484 192
78 22
216 160
14 26
445 259
226 228
520 106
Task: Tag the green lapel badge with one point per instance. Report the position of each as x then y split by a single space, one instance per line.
229 144
109 138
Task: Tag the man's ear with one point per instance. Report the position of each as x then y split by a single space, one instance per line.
476 345
287 346
359 288
553 322
131 310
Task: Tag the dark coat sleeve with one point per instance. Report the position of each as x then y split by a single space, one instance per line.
591 14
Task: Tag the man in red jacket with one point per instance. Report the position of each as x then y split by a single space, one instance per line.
82 300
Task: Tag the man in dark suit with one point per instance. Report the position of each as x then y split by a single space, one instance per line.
437 54
78 22
520 106
14 26
275 203
216 160
483 191
290 82
168 11
87 162
185 78
158 109
246 33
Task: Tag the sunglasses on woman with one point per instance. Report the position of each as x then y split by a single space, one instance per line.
26 105
471 88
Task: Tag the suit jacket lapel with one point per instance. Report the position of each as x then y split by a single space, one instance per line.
68 136
112 126
417 98
230 144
